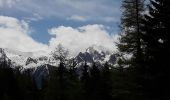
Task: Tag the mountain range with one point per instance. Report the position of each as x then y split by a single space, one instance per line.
35 59
41 62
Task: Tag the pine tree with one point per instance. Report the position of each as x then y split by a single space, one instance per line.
107 82
60 53
130 40
157 49
74 83
131 46
58 84
85 78
27 85
8 84
95 87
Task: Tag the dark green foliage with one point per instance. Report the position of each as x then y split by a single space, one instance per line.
130 40
85 79
75 84
97 83
147 39
107 83
63 84
15 85
157 50
95 86
131 44
8 84
57 85
27 85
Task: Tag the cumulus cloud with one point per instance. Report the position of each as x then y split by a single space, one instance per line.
14 34
79 39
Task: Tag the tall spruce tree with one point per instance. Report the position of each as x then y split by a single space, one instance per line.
131 45
85 79
95 87
107 82
130 40
157 49
58 84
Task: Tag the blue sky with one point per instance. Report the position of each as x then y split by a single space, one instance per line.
42 15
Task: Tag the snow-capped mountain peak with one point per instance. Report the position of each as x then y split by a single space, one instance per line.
24 59
92 54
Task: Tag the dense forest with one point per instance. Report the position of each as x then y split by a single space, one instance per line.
141 73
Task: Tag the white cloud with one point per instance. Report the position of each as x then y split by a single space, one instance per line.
77 18
79 39
14 35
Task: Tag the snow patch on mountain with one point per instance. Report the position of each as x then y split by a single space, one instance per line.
93 54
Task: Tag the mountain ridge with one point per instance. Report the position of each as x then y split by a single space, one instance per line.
41 65
32 59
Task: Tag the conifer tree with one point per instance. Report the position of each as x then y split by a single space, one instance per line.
131 45
85 82
130 41
74 83
57 85
156 39
95 87
107 82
